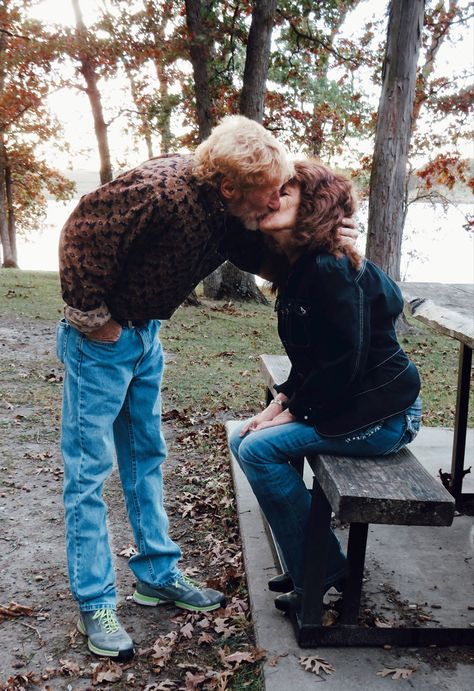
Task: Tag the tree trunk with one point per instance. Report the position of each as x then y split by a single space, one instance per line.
90 76
230 283
257 58
387 201
9 258
145 127
10 207
199 54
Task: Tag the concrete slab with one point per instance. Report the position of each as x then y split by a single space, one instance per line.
426 565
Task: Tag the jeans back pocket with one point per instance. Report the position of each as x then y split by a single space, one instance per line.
62 332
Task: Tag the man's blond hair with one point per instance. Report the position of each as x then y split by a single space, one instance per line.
244 151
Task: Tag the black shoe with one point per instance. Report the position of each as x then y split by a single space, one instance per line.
283 583
289 602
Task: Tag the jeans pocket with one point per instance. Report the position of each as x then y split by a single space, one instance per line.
62 332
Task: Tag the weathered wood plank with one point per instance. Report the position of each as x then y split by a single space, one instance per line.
447 309
275 370
393 489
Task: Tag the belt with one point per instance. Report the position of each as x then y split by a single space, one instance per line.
132 323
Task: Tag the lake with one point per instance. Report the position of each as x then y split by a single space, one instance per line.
436 247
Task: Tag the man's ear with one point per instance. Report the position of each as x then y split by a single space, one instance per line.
229 189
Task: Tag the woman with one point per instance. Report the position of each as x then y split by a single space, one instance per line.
351 390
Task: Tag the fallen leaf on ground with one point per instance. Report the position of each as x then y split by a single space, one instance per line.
69 668
128 551
107 671
187 630
273 661
316 665
397 672
13 609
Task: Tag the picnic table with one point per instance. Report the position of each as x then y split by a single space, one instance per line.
449 310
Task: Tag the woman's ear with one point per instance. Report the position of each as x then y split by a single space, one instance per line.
229 189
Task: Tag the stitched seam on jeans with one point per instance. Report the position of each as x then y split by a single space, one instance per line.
81 445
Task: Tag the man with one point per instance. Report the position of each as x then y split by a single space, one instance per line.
130 254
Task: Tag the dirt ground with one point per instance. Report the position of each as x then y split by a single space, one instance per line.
39 644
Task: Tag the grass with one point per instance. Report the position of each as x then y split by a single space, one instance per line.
212 350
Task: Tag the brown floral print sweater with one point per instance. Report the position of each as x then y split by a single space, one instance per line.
136 247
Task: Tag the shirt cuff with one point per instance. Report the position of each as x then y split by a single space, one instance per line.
86 322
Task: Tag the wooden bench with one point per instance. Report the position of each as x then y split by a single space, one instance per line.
392 489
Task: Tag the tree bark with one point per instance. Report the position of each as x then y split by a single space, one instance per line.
387 199
93 93
9 259
230 283
199 54
257 58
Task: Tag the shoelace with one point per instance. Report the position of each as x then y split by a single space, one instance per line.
187 581
107 620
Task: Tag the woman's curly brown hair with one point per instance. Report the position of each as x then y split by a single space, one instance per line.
326 198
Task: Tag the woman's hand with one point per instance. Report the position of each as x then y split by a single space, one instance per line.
282 419
270 412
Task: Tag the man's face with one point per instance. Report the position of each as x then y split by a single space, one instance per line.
252 205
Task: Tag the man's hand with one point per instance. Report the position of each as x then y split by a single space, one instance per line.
347 234
107 333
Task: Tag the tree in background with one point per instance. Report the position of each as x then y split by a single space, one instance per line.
392 138
26 55
404 92
91 57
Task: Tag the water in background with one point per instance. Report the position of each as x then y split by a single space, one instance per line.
436 247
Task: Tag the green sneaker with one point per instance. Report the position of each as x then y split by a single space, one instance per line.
183 593
105 635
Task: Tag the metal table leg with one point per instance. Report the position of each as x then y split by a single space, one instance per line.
460 420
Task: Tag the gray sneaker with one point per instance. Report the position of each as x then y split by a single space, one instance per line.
183 593
105 635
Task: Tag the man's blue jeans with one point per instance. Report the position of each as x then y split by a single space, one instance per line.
264 457
111 406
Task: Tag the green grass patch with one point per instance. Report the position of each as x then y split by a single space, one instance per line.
213 350
34 294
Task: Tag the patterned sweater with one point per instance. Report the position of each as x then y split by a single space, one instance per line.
136 247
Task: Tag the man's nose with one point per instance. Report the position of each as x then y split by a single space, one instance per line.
274 201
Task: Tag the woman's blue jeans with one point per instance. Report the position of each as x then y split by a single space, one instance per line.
283 497
111 407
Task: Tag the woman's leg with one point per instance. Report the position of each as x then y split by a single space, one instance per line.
264 457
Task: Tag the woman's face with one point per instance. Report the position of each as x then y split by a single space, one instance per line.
285 217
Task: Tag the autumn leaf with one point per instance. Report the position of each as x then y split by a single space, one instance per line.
128 551
15 610
273 661
316 665
205 638
187 630
397 672
107 671
69 668
163 647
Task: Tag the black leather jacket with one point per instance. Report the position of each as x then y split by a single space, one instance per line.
337 324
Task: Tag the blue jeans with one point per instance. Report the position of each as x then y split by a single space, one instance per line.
283 497
111 407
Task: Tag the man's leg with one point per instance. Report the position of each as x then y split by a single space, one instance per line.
141 451
96 379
